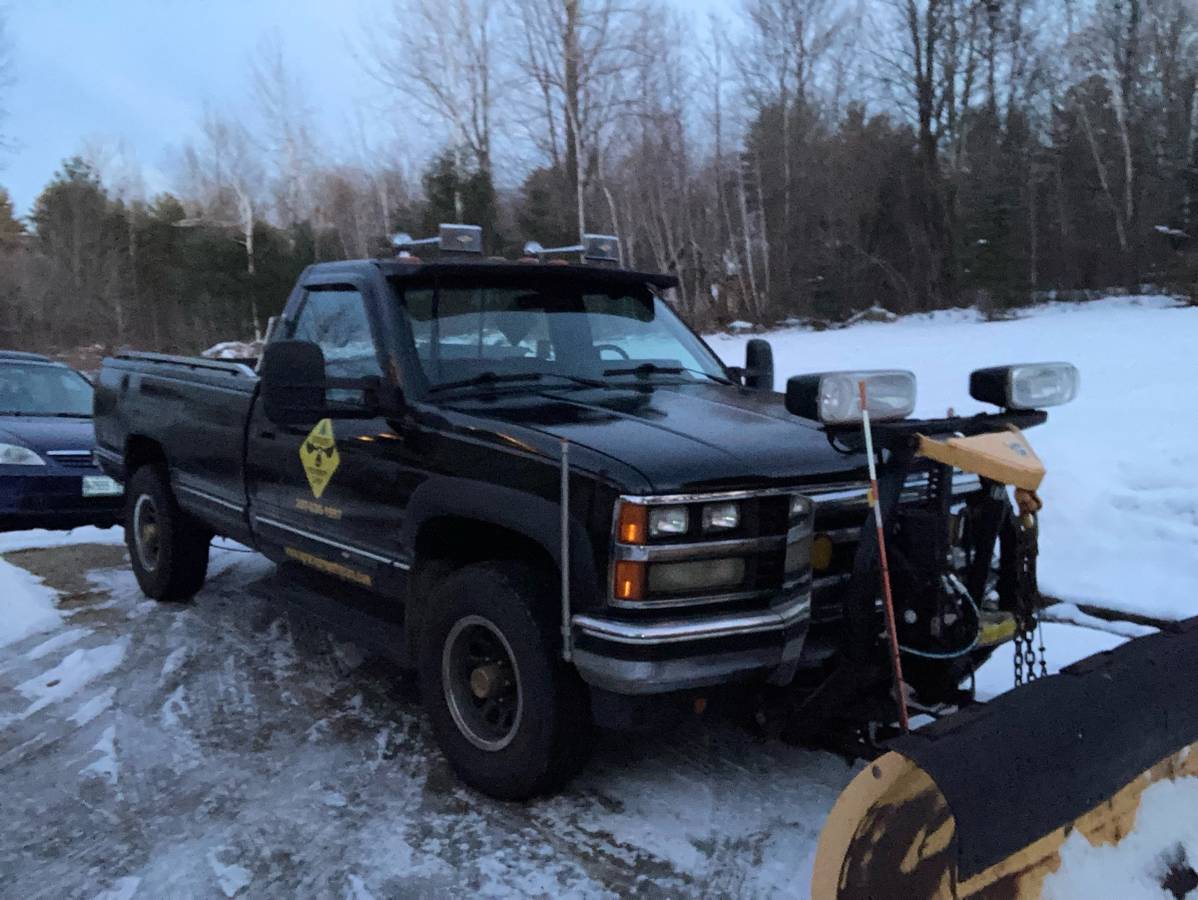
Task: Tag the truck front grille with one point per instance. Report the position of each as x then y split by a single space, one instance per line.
755 553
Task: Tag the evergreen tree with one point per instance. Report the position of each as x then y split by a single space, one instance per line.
455 192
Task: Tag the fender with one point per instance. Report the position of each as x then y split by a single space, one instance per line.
528 515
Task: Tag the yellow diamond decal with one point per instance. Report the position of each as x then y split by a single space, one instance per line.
319 456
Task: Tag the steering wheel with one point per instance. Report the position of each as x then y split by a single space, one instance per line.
623 354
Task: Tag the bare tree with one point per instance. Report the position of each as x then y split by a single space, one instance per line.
785 43
286 129
930 64
225 176
579 54
442 56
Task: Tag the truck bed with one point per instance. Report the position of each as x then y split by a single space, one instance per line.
192 414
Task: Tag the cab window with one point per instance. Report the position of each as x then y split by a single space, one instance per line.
335 318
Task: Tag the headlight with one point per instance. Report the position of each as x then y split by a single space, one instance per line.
700 576
668 520
834 399
1025 386
16 455
720 516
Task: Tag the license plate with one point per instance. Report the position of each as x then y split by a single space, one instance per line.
101 486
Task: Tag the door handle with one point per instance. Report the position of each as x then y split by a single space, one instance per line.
266 435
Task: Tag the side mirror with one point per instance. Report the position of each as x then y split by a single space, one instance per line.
293 382
759 365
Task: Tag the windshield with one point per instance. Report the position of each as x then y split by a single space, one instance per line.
40 390
520 333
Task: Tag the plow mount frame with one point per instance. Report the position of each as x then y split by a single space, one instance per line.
862 671
899 446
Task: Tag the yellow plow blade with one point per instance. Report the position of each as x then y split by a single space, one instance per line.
980 804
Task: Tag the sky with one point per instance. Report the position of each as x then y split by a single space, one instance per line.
141 71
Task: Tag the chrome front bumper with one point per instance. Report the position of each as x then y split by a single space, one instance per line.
650 657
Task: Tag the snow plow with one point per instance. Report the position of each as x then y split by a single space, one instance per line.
980 803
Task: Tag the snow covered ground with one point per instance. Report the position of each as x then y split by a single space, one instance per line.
228 748
1120 524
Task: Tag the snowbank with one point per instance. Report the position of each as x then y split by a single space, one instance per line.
1120 525
26 605
234 350
40 537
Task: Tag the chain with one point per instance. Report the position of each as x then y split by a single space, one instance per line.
1029 637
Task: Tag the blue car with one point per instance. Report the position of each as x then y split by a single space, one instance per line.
48 478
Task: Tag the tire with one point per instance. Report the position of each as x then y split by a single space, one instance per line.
510 749
168 550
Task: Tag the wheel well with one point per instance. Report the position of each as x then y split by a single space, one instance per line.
455 541
141 451
448 543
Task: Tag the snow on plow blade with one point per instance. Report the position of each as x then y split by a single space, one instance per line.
979 803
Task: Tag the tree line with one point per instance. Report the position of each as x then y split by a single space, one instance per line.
796 159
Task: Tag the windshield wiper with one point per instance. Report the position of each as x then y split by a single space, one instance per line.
488 378
649 368
44 415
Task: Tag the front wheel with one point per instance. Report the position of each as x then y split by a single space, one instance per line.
168 551
511 717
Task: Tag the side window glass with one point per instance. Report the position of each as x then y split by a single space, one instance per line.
336 320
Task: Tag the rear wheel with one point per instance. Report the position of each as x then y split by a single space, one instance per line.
168 550
511 717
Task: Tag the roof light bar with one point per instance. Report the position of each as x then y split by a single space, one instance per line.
597 248
451 238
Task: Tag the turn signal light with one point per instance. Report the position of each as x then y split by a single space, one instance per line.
630 580
633 523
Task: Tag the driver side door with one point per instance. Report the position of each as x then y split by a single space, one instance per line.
325 495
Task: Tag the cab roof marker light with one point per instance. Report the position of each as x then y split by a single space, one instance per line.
601 248
597 248
451 238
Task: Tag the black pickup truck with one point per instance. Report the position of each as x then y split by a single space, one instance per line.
436 441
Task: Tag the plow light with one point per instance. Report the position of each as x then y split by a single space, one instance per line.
833 398
1025 386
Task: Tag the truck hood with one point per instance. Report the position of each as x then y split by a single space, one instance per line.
683 437
42 433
